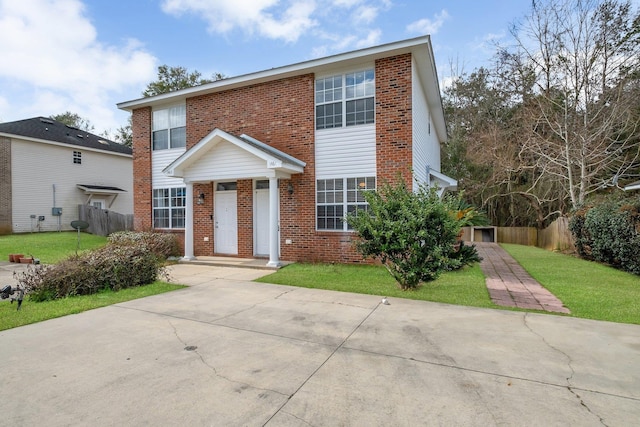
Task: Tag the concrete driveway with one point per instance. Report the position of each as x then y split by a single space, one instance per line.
227 352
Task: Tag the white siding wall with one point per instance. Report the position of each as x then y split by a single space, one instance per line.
346 152
161 159
227 161
36 167
426 147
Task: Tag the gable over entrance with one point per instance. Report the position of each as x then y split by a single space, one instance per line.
221 156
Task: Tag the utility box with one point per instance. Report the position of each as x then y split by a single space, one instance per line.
56 211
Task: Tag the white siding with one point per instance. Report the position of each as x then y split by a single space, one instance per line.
227 161
37 167
426 147
346 152
161 159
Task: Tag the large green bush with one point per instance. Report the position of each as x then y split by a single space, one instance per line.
123 263
413 234
609 233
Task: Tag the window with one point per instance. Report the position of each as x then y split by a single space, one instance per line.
77 158
169 207
338 196
169 128
347 99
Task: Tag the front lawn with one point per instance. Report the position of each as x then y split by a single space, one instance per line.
31 312
589 290
48 247
462 287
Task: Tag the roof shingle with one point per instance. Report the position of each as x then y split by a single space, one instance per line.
51 130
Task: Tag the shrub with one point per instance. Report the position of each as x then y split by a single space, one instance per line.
116 266
163 245
609 233
412 233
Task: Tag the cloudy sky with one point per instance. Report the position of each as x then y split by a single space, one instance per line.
85 56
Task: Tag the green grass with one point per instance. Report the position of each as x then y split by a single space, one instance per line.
462 287
49 247
36 312
590 290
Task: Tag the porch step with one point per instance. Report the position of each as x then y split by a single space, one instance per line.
220 261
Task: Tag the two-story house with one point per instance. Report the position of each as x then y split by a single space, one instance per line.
268 164
48 168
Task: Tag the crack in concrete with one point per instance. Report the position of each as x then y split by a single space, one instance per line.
298 418
215 371
569 386
335 350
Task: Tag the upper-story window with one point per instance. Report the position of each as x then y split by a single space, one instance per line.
169 128
345 100
77 157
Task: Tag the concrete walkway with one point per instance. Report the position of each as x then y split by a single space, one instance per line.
227 351
510 285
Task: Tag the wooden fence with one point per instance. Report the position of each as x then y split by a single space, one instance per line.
103 222
555 237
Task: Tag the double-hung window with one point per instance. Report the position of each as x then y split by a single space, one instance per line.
345 100
338 196
169 207
169 128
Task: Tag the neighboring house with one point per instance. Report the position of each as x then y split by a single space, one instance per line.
268 164
47 169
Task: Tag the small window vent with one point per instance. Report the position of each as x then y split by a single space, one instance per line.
42 120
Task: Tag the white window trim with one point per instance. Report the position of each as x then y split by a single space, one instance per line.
171 208
343 100
169 127
345 203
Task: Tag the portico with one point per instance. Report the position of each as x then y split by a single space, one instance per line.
223 159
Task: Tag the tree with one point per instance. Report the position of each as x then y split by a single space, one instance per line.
124 134
74 120
556 119
413 234
580 123
176 78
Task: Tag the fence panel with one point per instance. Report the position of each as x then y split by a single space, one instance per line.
103 222
557 236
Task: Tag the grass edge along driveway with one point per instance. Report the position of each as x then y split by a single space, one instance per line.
590 290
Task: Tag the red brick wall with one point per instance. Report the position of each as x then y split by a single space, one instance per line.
281 114
245 218
142 194
394 119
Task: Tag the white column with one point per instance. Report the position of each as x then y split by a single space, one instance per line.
274 244
188 224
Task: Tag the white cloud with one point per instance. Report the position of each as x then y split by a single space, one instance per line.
372 39
365 14
428 26
54 62
269 18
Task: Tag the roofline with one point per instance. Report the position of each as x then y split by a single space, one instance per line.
62 144
370 53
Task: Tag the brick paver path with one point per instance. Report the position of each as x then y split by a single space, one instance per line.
510 285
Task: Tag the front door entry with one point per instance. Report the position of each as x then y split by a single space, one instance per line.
226 223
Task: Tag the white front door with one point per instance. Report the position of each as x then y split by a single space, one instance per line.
261 221
226 223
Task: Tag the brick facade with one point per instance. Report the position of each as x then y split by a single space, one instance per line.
281 113
393 119
142 186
